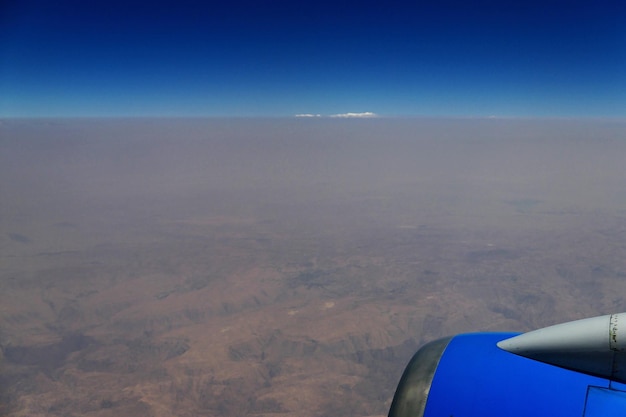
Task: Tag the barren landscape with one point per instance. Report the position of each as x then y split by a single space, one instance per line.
279 267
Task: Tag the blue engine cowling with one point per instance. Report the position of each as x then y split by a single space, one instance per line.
470 376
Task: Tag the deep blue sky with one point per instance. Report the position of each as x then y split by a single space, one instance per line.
279 58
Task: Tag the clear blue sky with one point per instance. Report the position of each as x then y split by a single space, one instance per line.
278 58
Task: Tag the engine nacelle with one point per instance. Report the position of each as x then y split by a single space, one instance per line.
572 369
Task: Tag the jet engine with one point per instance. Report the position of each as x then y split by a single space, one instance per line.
570 370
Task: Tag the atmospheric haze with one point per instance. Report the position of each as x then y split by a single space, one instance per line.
232 267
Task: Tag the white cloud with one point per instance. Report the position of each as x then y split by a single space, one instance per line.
355 115
364 115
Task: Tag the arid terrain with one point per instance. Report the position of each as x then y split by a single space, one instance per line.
251 267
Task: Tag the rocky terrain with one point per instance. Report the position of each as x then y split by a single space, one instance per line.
287 267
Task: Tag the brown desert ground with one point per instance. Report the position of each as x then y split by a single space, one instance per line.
277 267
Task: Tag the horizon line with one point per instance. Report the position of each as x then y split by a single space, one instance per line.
315 117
